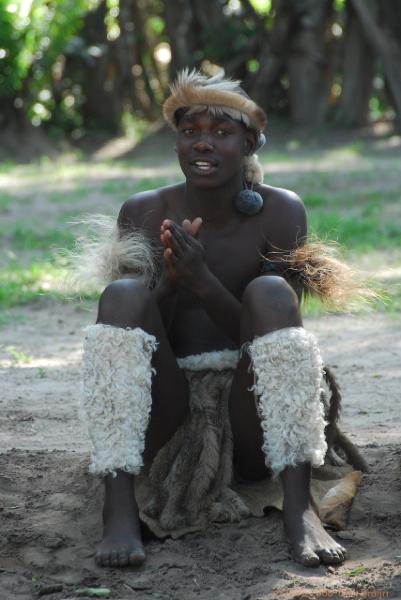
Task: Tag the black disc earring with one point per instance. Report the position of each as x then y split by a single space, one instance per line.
248 202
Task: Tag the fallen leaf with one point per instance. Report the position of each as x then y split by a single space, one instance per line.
94 592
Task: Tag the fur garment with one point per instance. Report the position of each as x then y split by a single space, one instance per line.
116 395
191 475
106 253
288 372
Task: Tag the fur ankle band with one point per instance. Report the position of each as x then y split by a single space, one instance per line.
288 373
116 395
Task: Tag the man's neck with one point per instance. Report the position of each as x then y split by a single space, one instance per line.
213 205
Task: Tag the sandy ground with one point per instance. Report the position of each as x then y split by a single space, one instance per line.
50 507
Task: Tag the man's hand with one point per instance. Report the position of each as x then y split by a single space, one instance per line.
184 255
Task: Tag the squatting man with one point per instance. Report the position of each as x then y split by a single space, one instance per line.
199 294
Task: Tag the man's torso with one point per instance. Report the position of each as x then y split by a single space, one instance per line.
234 253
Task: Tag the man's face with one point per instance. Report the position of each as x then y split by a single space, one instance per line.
210 149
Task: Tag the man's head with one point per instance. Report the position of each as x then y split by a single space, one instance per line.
211 102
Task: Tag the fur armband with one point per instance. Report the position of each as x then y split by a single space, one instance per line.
317 269
105 254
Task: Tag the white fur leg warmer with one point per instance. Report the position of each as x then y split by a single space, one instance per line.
288 372
116 395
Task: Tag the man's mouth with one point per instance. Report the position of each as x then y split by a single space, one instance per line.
203 165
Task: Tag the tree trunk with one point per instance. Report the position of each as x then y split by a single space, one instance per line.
103 105
273 55
358 63
307 63
386 45
178 16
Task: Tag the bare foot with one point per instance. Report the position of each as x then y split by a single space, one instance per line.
121 545
309 541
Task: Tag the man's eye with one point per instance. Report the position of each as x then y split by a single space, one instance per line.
222 132
188 131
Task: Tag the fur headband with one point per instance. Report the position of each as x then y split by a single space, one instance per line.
195 92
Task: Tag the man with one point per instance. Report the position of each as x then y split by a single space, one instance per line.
215 295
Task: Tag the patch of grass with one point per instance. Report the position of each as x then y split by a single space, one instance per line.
360 233
67 196
129 187
6 200
10 316
20 284
25 237
313 200
6 166
18 355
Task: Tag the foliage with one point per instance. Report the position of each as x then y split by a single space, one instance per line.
51 51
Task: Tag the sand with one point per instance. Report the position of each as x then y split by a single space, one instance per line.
50 508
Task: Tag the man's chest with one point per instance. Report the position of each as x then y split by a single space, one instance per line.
234 256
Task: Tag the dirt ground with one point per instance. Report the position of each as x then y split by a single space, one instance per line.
50 507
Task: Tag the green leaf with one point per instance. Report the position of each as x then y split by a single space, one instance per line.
354 572
93 592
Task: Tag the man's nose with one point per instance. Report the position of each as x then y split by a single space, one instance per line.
204 143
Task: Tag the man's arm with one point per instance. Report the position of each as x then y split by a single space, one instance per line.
290 232
143 211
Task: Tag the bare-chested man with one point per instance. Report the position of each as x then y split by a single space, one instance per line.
212 295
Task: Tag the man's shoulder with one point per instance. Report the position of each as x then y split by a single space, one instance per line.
284 216
280 198
149 202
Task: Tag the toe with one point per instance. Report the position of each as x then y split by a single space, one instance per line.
329 556
309 558
105 559
136 557
123 559
99 559
114 558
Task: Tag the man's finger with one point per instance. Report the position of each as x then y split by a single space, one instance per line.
195 226
187 226
165 238
169 257
179 235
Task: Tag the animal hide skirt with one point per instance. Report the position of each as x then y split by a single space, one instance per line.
189 481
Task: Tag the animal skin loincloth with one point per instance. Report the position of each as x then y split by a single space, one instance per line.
191 479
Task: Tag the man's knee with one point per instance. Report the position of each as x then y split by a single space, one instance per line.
270 294
123 299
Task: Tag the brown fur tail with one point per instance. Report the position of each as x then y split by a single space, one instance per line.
336 438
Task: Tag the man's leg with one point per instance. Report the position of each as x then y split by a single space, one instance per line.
270 315
131 317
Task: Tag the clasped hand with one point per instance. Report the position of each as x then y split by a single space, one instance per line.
184 255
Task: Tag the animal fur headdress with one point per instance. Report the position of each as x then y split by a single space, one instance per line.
196 92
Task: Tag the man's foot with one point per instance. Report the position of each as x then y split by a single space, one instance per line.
121 545
309 541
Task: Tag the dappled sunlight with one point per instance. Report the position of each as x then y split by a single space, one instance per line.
32 362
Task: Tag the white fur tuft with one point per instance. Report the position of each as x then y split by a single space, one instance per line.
105 254
217 360
288 373
116 395
253 169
